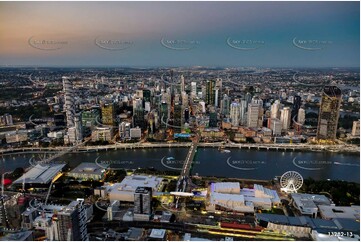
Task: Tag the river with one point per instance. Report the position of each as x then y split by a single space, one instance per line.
239 163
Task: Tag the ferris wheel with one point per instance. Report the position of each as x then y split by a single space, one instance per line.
291 181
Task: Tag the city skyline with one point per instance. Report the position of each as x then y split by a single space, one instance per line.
166 34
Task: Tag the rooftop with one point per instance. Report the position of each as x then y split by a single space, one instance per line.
329 212
89 168
41 174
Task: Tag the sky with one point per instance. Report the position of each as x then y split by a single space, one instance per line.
165 34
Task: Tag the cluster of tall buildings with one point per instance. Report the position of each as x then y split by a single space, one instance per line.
178 106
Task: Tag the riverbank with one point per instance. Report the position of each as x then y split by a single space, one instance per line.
281 147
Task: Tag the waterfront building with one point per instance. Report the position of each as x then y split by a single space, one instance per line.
124 130
253 115
89 171
234 114
40 174
102 134
275 109
306 204
135 133
275 126
356 128
329 113
286 118
228 196
301 116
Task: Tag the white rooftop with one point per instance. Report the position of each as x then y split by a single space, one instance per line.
41 174
226 187
124 191
330 212
157 233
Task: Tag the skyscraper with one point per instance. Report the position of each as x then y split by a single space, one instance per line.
108 114
253 115
243 112
210 92
69 106
286 118
142 203
275 108
138 113
301 116
225 105
234 114
193 89
183 85
70 223
329 113
178 116
296 106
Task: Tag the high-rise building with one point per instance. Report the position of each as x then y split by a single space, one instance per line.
275 109
355 128
69 105
275 126
183 85
329 113
142 203
243 112
286 118
71 222
213 118
210 92
234 114
178 116
296 106
225 105
253 115
301 116
248 98
164 115
138 113
108 114
193 89
184 99
78 128
124 130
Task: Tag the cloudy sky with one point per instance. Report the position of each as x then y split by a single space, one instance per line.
141 34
